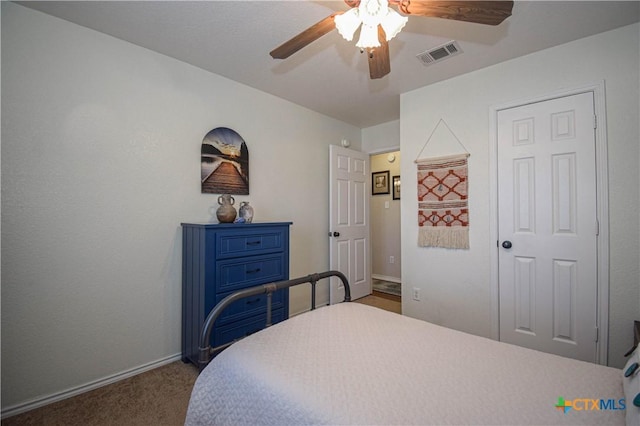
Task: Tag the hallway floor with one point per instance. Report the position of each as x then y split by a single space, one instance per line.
382 301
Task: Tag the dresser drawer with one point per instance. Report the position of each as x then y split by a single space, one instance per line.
249 242
250 306
235 274
244 328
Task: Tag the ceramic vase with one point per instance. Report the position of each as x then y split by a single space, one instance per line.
245 212
226 213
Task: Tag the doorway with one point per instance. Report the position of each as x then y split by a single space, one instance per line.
385 224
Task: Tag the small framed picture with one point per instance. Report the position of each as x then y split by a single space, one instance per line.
380 183
396 187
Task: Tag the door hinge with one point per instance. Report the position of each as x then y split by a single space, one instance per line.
595 121
597 334
597 227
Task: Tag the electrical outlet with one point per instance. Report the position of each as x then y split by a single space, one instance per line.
392 259
416 294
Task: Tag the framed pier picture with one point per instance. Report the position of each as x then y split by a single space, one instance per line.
224 163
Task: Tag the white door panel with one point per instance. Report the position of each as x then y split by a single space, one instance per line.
547 211
349 222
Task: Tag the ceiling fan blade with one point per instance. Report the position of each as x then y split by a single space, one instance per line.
481 12
379 65
306 37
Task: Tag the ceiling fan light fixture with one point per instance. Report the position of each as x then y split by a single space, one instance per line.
368 15
348 23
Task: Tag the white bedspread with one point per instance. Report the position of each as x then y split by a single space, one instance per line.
354 364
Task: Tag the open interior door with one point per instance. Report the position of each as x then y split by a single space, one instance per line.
349 222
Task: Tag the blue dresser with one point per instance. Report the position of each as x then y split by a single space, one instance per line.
218 259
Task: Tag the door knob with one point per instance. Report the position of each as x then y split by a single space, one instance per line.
507 244
336 234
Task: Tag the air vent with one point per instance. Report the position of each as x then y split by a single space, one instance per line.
439 53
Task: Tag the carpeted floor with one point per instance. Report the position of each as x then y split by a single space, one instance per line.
156 397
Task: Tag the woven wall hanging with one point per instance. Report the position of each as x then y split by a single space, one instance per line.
443 211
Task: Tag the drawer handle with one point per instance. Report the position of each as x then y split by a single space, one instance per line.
254 243
253 271
253 302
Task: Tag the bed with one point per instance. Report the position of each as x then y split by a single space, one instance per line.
350 363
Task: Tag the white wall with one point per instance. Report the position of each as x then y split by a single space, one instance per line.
100 165
383 137
455 284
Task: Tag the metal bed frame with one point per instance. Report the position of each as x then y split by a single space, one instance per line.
206 351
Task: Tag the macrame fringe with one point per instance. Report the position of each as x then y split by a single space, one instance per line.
456 237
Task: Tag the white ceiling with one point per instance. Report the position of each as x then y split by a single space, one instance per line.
330 76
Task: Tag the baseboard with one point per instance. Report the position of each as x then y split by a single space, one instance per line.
386 278
59 396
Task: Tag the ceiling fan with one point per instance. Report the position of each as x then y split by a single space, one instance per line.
379 23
